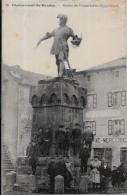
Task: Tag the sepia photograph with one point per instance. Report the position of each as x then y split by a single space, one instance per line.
64 97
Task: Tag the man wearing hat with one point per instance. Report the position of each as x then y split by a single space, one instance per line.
60 46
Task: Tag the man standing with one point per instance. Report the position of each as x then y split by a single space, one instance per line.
47 140
76 140
105 173
60 141
32 153
84 156
60 46
67 141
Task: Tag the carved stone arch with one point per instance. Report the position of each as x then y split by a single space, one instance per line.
74 100
52 98
66 98
82 101
34 100
43 99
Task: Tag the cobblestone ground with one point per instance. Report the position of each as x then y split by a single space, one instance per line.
115 191
19 193
27 193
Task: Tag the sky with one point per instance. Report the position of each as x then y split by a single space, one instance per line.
102 29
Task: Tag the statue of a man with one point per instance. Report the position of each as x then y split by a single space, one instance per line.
60 46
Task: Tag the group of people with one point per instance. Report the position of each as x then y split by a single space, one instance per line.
64 139
43 140
81 171
68 139
119 175
84 173
95 176
99 176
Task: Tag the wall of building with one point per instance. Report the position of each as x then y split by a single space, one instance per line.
100 83
9 116
16 109
25 113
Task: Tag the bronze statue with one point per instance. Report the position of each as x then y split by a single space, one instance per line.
60 46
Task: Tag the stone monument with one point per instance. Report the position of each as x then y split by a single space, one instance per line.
57 124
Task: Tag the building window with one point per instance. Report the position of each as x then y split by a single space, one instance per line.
104 153
123 155
117 98
92 101
123 98
90 126
110 99
116 127
109 127
99 152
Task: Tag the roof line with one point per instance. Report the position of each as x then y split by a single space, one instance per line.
23 70
101 68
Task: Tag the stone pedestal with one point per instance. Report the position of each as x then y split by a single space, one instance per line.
10 181
59 184
25 181
23 166
28 182
57 102
42 178
84 182
11 178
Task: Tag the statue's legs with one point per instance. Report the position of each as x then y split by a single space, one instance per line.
60 63
61 69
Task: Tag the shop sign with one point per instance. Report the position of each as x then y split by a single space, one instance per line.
109 140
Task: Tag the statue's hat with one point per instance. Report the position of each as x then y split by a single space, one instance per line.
62 16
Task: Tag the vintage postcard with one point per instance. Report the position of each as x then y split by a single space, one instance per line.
64 97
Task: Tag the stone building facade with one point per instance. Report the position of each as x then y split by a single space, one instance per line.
16 109
106 110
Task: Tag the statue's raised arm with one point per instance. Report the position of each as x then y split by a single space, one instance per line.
46 36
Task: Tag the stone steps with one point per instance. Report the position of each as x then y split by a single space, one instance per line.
7 165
